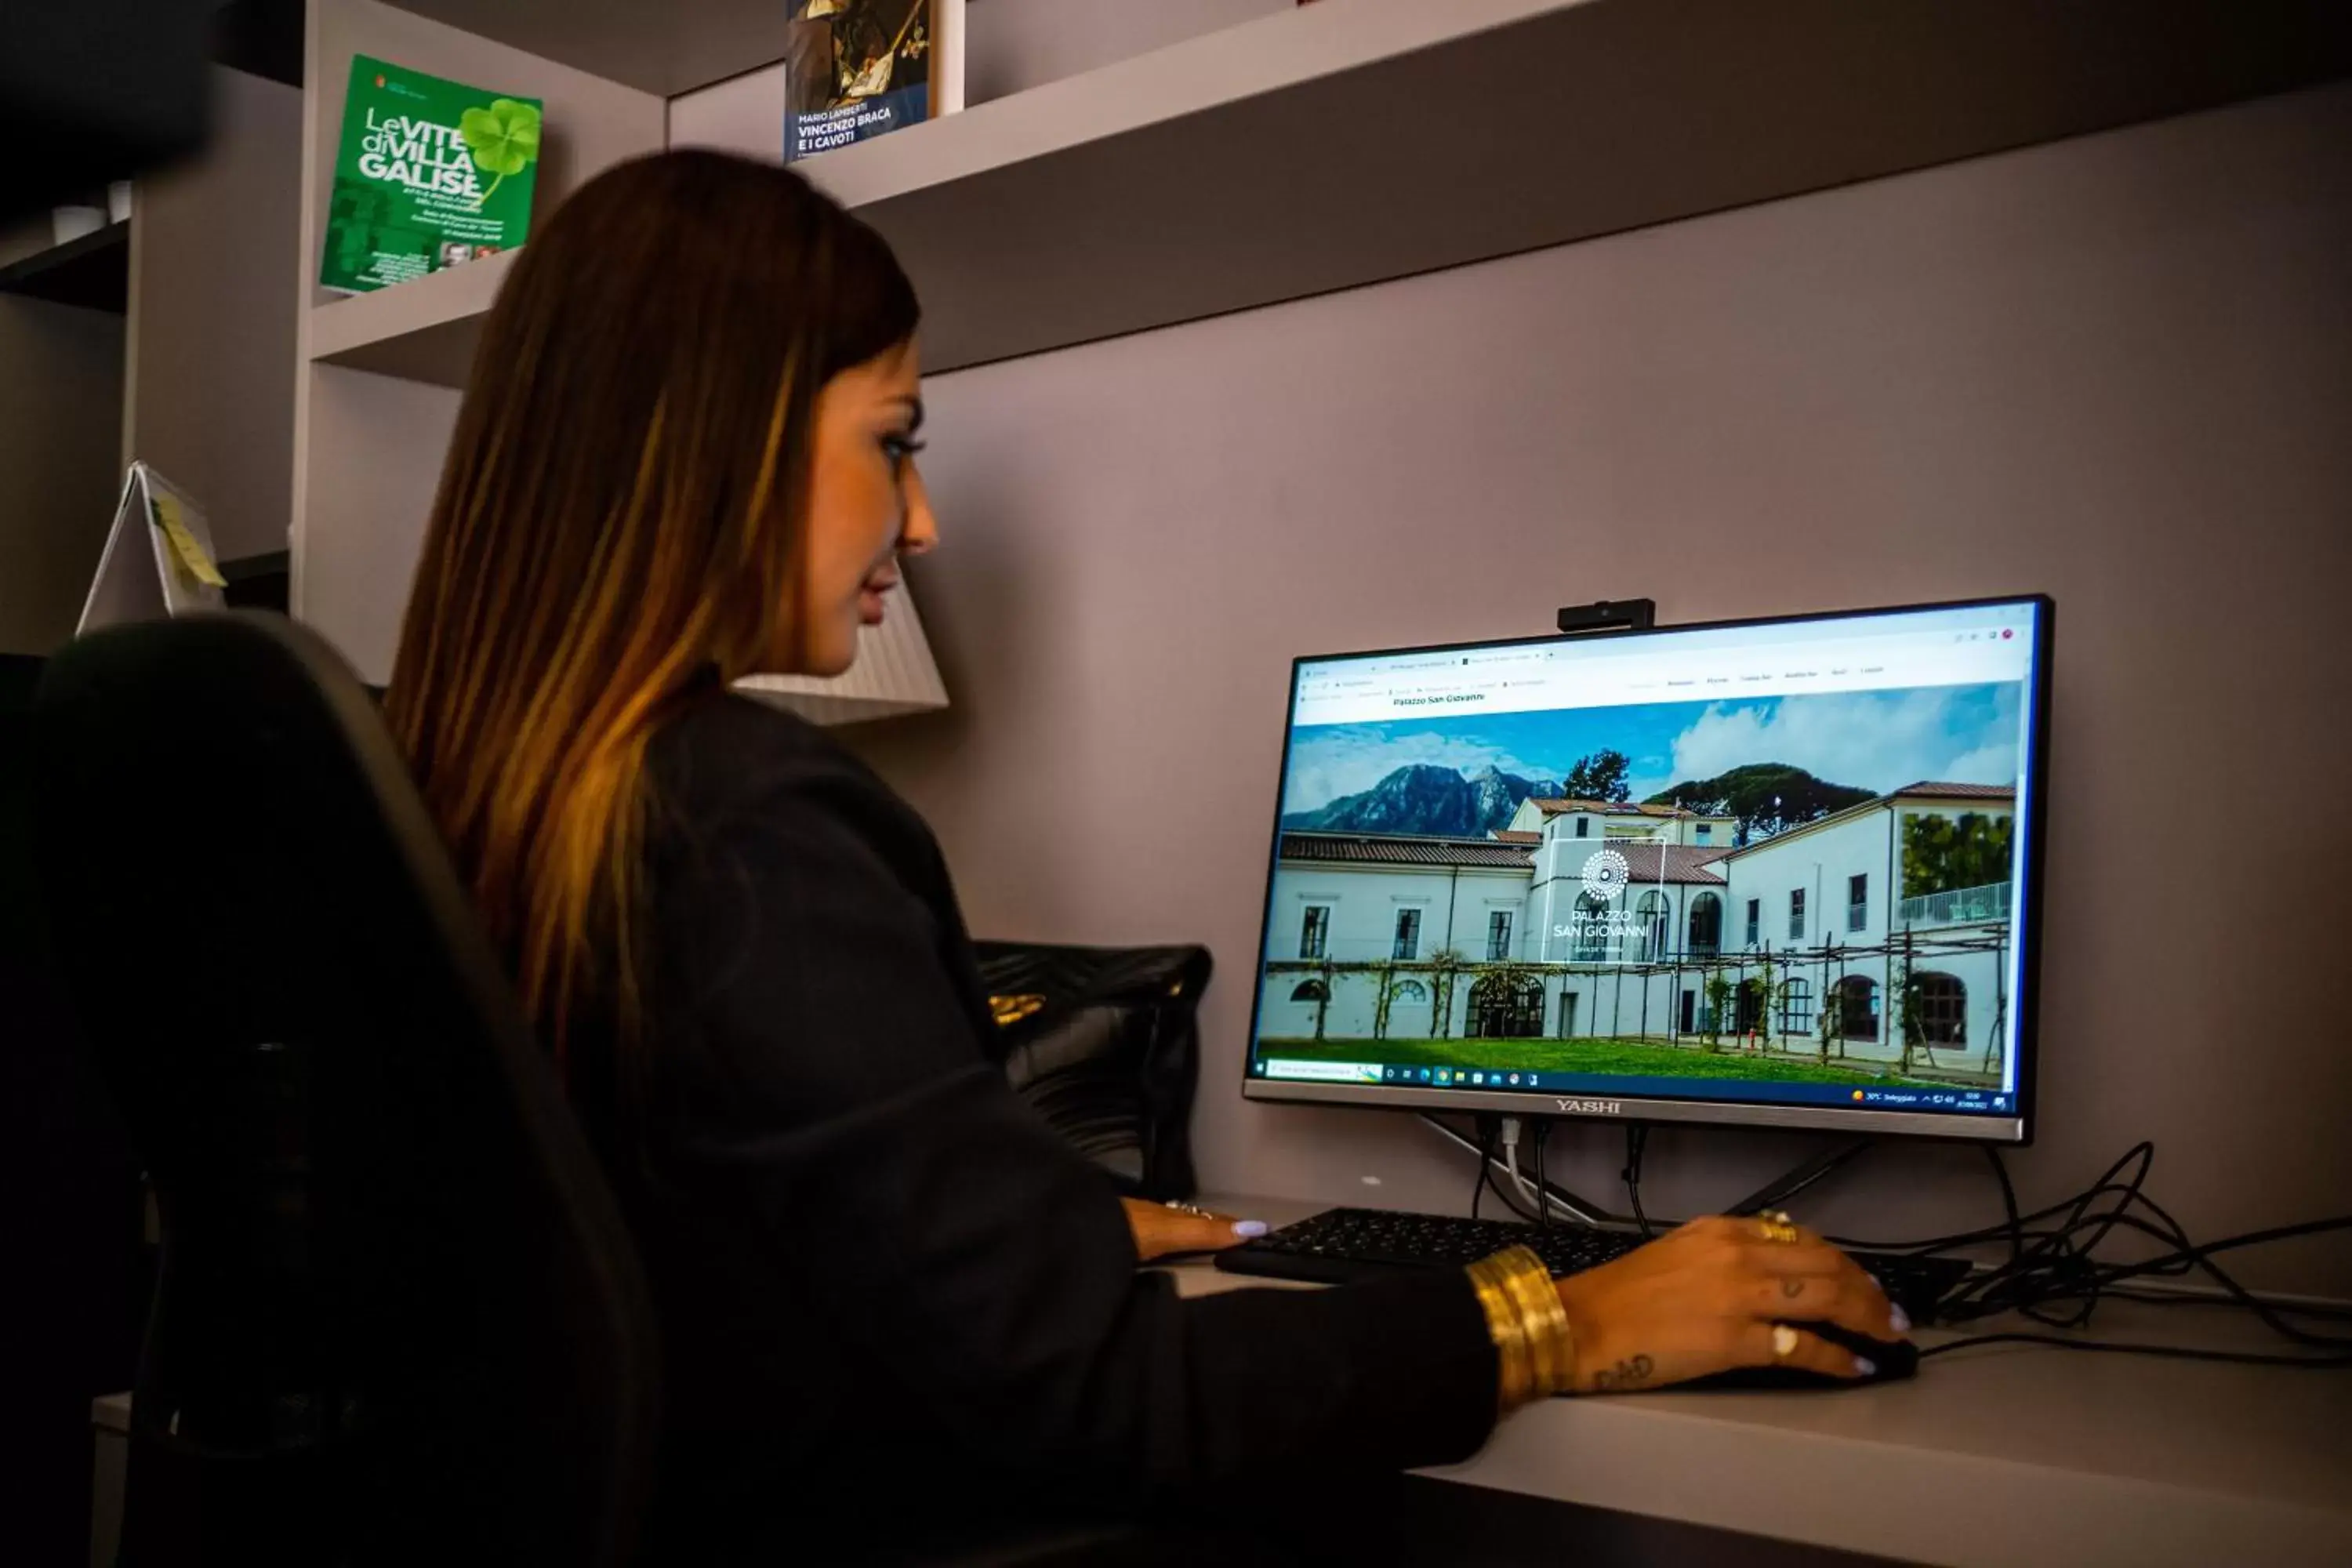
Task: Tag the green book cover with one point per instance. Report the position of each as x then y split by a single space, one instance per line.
429 173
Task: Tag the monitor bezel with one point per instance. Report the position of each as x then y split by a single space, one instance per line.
2015 1129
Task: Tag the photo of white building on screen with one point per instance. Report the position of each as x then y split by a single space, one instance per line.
1872 941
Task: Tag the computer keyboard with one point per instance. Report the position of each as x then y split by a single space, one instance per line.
1341 1247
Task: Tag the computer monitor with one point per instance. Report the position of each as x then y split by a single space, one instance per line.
1778 872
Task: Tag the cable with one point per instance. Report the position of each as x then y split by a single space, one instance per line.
2053 1278
1543 1184
1490 1133
2185 1296
1925 1247
2056 1265
2104 1185
2089 1288
1486 1135
2050 1275
2110 1347
1637 1140
1581 1210
1511 1163
2057 1269
1538 1192
2008 1202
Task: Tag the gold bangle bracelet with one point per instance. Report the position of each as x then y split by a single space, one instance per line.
1551 1346
1514 1375
1535 1348
1551 1343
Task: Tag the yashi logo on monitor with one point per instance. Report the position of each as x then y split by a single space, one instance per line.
1590 1107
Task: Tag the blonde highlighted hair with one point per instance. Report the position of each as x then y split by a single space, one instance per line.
620 521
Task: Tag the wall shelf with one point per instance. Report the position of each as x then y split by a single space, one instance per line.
1346 144
421 331
650 47
1340 145
93 271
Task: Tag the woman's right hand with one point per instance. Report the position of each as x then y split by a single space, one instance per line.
1706 1299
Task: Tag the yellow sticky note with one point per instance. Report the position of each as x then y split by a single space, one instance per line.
184 544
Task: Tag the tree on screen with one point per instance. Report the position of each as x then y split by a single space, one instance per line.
1600 776
1718 991
1765 797
1384 989
1445 964
1944 854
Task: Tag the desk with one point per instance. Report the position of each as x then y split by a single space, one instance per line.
2007 1457
2011 1456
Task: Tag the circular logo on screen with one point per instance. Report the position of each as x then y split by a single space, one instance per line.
1605 872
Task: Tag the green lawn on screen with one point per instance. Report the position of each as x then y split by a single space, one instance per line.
1625 1058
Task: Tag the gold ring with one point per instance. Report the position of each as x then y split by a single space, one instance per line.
1777 1226
1784 1342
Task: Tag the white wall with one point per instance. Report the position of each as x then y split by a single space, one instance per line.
366 496
1818 862
1017 44
60 438
210 366
2117 368
1365 899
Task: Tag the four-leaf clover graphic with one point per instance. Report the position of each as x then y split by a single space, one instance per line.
503 137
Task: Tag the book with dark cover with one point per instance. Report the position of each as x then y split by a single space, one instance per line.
860 69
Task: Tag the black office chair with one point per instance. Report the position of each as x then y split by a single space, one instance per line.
398 1318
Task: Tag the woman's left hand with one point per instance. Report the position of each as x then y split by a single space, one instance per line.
1160 1230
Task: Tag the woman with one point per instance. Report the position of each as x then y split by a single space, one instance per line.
688 454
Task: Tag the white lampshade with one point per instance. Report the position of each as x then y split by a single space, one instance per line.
895 674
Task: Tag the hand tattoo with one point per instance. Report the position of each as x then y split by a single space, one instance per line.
1792 1287
1630 1372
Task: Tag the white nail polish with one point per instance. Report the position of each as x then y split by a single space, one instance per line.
1864 1366
1249 1229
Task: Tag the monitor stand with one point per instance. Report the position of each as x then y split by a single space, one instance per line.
1582 1210
1776 1193
1773 1194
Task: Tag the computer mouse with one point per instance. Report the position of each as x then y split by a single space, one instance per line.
1894 1359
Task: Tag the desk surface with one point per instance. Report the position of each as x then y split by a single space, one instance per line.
2005 1456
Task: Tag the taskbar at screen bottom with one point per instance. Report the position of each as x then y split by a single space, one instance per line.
1914 1097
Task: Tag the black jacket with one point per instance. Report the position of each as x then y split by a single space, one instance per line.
886 1287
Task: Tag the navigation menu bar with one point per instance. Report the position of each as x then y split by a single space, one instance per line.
1920 648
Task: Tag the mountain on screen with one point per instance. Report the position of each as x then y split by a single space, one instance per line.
1427 800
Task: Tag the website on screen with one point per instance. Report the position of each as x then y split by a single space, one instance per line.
1768 863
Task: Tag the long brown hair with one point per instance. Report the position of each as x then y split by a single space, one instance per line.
621 516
